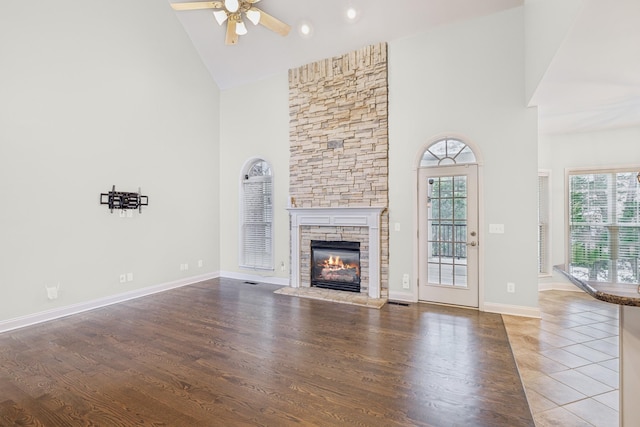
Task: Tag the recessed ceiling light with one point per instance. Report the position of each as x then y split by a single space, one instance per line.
352 14
305 29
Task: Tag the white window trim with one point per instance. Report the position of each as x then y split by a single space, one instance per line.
245 170
582 171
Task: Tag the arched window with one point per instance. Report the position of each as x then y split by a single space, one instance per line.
256 240
447 151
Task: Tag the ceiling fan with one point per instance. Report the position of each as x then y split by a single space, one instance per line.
233 11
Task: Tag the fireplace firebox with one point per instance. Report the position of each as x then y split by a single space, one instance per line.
335 265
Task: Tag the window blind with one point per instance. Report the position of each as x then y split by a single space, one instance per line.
604 226
544 251
257 223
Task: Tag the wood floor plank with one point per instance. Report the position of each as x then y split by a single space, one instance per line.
223 352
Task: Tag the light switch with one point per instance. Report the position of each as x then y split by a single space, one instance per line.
496 228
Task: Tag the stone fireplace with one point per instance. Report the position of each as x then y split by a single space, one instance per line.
361 225
338 129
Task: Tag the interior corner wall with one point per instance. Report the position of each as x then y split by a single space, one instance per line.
597 149
547 23
468 78
89 100
254 123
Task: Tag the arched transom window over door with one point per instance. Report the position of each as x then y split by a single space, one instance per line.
447 151
256 241
448 224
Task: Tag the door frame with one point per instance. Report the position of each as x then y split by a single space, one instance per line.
481 220
468 296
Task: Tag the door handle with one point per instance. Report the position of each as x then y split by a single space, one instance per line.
472 244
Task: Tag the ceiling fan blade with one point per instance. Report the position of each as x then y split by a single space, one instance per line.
232 37
272 23
252 1
197 5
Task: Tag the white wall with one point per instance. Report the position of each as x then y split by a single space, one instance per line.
91 95
547 23
603 149
254 122
468 78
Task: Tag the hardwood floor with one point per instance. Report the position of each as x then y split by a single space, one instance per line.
226 353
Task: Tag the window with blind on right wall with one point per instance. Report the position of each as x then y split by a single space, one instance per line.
544 224
604 225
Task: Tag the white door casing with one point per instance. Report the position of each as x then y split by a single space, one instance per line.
448 234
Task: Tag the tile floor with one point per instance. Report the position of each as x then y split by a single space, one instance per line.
568 360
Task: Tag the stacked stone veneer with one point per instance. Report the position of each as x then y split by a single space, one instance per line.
338 125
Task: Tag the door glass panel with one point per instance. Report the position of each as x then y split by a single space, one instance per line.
447 230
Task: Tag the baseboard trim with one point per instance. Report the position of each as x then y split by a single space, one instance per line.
512 310
56 313
402 296
44 316
568 287
255 278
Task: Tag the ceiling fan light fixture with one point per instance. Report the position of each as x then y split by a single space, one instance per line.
253 15
233 12
220 16
231 5
241 29
352 14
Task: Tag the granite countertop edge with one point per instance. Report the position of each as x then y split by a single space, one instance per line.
598 294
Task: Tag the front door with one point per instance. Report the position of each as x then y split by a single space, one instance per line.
448 234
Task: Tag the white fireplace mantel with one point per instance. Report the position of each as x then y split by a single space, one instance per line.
368 217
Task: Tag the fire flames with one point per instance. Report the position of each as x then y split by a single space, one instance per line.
335 263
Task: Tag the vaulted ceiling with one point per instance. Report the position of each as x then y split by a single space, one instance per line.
593 81
262 53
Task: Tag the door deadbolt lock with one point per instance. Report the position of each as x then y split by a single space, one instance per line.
473 233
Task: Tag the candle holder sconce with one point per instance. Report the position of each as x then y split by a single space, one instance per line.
124 200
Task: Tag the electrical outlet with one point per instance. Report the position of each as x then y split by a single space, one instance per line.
405 281
123 278
52 291
396 226
511 287
281 265
199 263
129 277
186 266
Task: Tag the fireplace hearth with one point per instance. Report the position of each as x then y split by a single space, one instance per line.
335 265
